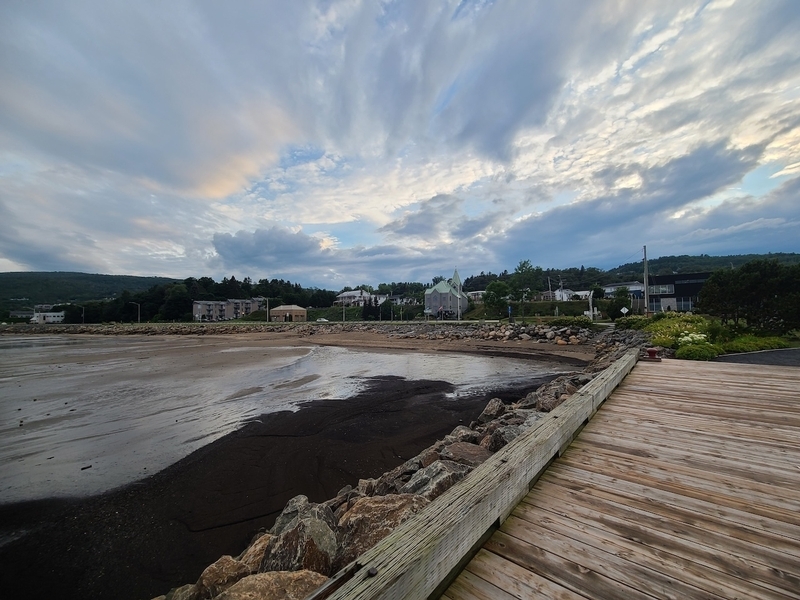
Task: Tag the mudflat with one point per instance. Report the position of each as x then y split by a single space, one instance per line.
161 531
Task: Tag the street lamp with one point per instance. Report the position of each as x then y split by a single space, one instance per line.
83 314
138 311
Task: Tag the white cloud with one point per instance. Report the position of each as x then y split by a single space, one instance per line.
190 138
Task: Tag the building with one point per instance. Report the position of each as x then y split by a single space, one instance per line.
446 300
41 318
676 292
476 297
288 312
224 310
635 288
359 298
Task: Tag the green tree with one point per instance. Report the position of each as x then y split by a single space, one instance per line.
525 277
618 302
495 297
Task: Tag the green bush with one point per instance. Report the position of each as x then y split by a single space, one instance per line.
751 343
584 322
704 351
634 322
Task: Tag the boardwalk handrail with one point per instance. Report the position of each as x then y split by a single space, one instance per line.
420 554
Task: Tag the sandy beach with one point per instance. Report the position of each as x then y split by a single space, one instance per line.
162 530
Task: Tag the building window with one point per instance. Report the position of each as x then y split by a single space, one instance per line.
667 289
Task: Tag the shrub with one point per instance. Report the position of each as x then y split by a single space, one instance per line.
702 351
751 343
668 330
634 322
583 322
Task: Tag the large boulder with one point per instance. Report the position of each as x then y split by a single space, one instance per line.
372 519
391 482
494 409
185 592
221 575
308 542
293 508
465 453
435 479
276 585
500 437
462 434
254 554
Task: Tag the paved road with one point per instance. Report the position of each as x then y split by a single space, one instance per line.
784 358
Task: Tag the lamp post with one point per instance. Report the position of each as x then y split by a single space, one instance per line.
138 311
83 314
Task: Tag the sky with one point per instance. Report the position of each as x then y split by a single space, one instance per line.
348 142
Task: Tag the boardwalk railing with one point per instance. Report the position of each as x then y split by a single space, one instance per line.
419 556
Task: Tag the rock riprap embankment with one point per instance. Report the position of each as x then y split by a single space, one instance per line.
309 542
533 333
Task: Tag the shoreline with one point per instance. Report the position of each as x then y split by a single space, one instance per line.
212 502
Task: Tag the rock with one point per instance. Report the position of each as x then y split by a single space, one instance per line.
524 336
185 592
550 335
366 487
428 457
254 553
276 585
465 453
391 482
309 543
500 437
461 434
372 519
493 410
435 479
293 508
561 342
221 575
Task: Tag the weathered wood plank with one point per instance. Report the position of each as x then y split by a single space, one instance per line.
517 581
726 558
725 574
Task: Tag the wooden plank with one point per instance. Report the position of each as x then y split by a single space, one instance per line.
518 582
705 441
762 472
472 587
727 489
729 562
667 556
618 568
413 560
563 571
774 534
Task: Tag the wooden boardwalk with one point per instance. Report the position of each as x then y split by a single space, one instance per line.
685 484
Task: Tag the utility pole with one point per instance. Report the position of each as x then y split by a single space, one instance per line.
646 286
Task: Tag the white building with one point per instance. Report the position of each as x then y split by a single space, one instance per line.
42 318
224 310
359 298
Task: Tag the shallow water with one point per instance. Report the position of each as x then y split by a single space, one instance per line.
83 415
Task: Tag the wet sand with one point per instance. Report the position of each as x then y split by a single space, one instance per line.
160 532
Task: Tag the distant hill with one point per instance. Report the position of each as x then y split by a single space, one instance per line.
58 287
666 265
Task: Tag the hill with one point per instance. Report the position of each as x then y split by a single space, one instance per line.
666 265
24 289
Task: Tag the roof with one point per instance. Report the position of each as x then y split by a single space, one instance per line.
287 307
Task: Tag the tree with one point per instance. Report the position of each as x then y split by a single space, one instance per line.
496 297
620 301
525 277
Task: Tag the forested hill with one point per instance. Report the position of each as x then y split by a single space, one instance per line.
59 287
666 265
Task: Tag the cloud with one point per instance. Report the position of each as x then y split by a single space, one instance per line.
342 140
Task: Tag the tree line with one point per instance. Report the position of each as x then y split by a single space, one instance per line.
764 295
